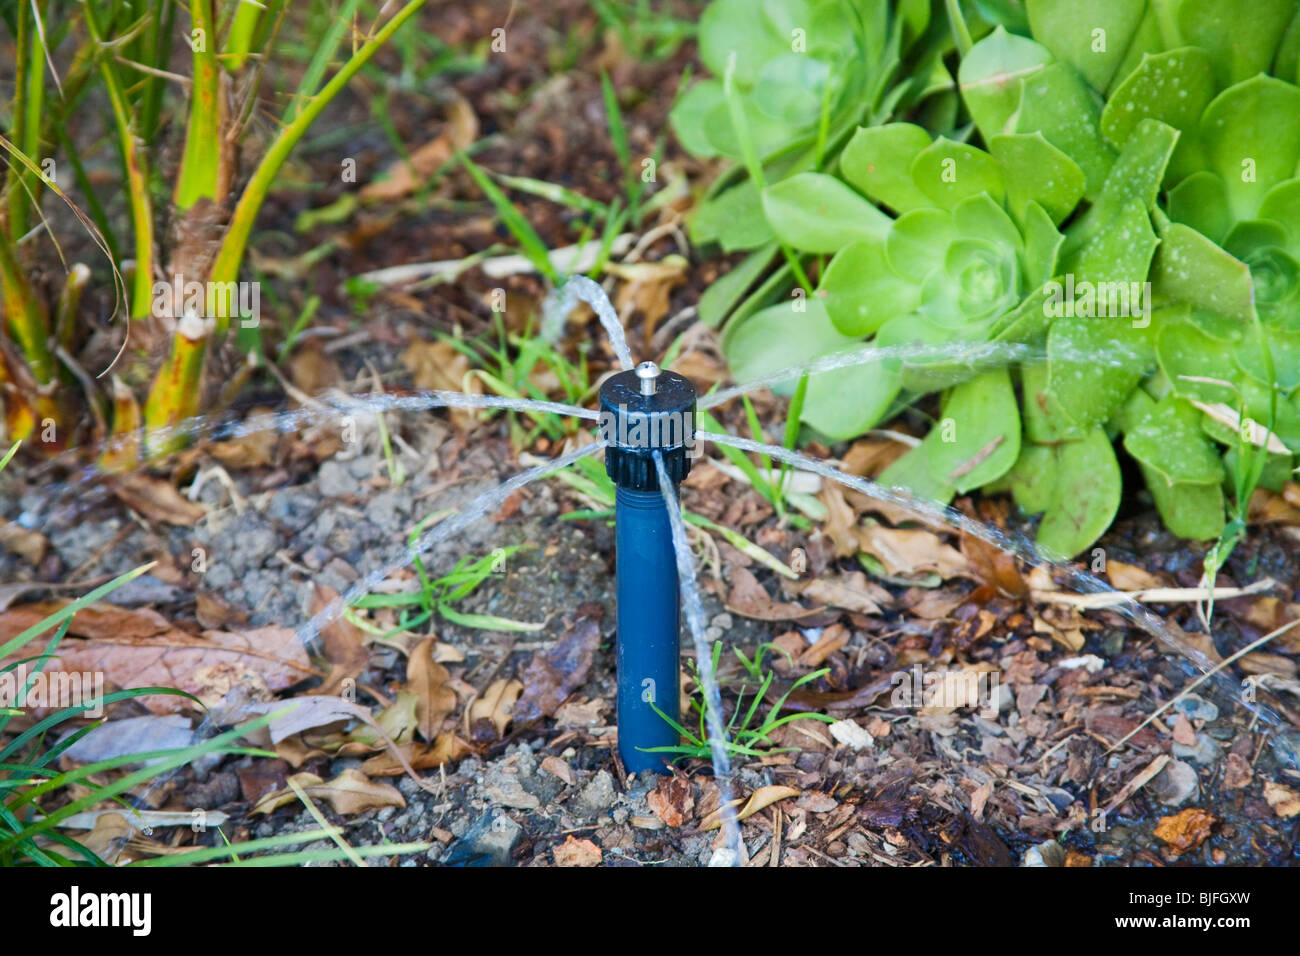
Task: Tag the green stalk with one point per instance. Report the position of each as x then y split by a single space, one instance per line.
231 253
137 174
174 395
200 174
240 39
26 313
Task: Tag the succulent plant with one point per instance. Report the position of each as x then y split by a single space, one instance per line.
1132 224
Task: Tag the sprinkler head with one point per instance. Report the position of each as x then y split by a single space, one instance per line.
643 410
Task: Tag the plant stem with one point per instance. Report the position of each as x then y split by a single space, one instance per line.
231 253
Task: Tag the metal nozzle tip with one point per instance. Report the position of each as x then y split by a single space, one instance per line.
648 373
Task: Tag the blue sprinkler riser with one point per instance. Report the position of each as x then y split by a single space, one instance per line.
649 605
647 416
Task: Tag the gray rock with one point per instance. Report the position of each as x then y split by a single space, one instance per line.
598 795
1195 707
1175 784
335 479
1204 753
487 843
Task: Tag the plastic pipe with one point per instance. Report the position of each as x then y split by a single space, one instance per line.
643 411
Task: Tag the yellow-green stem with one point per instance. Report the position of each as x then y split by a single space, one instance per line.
137 174
174 396
200 171
231 254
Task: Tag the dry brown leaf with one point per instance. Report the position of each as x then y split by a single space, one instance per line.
344 643
841 521
851 591
647 288
1187 830
156 499
489 716
574 852
556 767
429 682
348 793
256 449
760 799
905 551
1128 577
312 370
748 598
28 545
832 639
554 673
447 748
216 613
139 648
993 566
1284 801
438 366
672 801
407 175
868 457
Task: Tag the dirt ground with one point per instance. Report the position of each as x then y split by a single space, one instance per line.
1035 778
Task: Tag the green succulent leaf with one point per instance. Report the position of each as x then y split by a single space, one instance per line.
948 172
992 75
1085 486
1169 440
1201 201
1239 46
878 161
818 213
781 336
861 292
1092 37
734 219
1059 104
1036 171
1173 87
1252 138
979 433
1190 268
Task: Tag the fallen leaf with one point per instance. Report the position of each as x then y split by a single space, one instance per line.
156 499
556 767
1128 577
343 642
748 598
312 370
574 852
428 681
672 801
134 735
439 366
586 713
1284 801
993 566
139 648
447 748
407 175
1187 830
28 545
851 591
852 735
869 457
348 793
489 715
256 447
831 640
760 799
909 551
554 673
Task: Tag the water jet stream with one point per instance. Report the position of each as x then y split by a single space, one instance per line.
976 356
561 301
694 609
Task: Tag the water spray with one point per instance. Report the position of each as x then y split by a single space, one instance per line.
644 411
